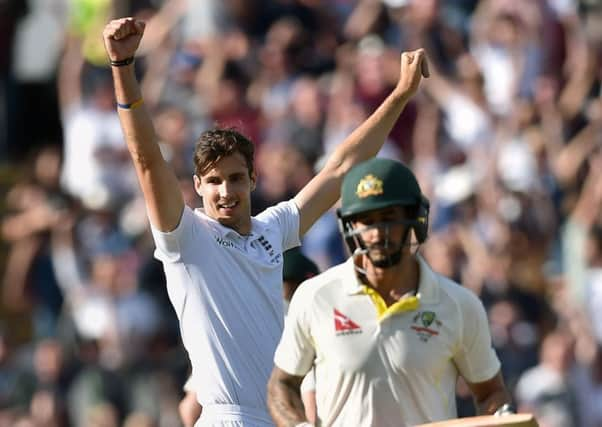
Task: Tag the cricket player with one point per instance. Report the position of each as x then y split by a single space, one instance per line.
224 267
387 335
296 269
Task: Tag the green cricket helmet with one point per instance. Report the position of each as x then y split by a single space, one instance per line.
381 183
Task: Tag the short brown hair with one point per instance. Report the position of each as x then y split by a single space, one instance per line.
213 145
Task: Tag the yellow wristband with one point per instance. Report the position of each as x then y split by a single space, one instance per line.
131 106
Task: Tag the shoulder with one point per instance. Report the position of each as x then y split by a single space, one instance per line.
191 223
463 297
197 218
463 305
273 213
199 215
438 288
280 222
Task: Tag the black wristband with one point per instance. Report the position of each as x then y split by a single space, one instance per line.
122 62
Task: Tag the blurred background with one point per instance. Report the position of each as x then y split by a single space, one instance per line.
505 137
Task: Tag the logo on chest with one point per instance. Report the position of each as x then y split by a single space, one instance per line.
343 325
269 249
426 325
264 244
226 243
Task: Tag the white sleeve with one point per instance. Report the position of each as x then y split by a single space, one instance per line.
171 250
476 359
170 245
189 384
286 215
309 381
295 353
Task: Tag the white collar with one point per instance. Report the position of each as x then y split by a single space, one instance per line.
257 228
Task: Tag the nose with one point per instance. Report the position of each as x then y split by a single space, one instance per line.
225 189
375 234
381 232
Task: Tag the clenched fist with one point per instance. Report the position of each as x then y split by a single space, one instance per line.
414 66
122 37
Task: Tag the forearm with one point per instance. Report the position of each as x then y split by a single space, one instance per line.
160 187
366 140
137 126
490 395
362 19
285 404
25 224
18 266
69 71
571 157
363 143
492 403
158 182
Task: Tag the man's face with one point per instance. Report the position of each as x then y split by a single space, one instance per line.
226 192
381 239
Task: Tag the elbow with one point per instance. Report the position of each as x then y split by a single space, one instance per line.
336 166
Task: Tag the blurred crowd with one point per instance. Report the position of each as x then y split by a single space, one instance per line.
505 138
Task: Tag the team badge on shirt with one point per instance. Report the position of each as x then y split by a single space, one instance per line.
267 246
343 325
426 325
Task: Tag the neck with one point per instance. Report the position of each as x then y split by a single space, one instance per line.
242 227
394 282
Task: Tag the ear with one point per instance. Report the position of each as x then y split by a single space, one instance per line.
253 181
198 186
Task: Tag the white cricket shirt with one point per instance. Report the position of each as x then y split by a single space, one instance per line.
226 290
385 367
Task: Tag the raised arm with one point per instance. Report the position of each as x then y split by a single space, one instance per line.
158 182
363 143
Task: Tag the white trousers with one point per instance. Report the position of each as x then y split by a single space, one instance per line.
233 416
